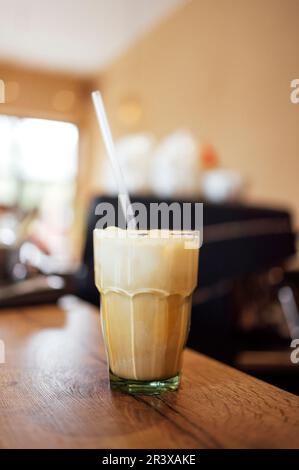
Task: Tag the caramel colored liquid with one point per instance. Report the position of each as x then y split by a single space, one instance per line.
145 333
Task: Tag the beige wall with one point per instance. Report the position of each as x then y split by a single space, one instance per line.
49 95
222 68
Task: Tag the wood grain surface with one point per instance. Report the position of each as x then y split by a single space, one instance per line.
54 393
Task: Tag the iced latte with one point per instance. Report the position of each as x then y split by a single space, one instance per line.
146 280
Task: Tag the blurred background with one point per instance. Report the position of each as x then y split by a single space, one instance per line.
198 95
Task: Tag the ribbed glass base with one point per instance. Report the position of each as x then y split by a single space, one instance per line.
151 387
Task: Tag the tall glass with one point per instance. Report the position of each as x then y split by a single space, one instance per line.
146 280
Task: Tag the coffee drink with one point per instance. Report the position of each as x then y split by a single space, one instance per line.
146 280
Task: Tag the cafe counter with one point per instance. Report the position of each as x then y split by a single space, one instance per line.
54 393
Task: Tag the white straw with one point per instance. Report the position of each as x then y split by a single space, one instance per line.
110 149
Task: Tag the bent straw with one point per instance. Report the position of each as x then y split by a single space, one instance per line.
123 194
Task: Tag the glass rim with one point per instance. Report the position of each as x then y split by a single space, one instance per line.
143 232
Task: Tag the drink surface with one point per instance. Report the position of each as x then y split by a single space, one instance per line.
146 283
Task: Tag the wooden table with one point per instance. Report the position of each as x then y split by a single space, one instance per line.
54 393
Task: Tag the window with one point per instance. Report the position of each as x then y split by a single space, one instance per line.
38 166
